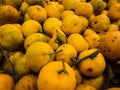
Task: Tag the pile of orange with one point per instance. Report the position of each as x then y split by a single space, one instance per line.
58 44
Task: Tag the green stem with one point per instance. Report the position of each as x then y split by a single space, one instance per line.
92 55
73 59
56 52
63 69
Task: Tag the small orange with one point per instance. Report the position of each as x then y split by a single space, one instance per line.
6 79
72 24
37 12
114 12
78 41
84 9
91 66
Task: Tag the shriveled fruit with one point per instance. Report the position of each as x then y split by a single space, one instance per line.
24 7
58 38
13 56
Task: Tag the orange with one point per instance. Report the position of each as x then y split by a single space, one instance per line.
35 37
78 42
11 37
100 23
72 24
27 82
50 77
97 82
50 24
114 12
30 26
37 12
6 82
78 75
39 54
66 12
52 10
91 67
92 38
113 27
8 14
84 9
